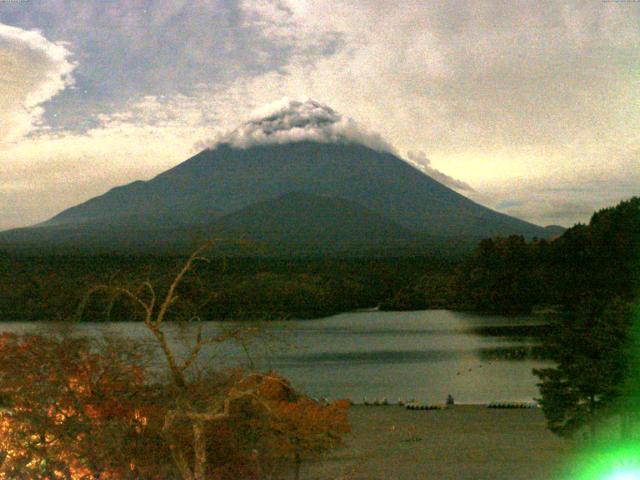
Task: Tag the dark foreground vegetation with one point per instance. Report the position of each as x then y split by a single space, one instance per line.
75 409
591 277
595 338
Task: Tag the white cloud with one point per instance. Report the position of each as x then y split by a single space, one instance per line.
564 199
420 160
509 98
49 172
288 120
34 70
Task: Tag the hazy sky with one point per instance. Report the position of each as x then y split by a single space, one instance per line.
530 107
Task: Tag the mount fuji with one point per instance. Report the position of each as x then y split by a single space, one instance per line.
298 178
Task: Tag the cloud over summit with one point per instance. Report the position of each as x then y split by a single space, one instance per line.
289 121
422 162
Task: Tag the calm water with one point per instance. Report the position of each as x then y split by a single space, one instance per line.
398 355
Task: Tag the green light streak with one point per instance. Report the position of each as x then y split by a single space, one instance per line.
620 462
606 457
617 460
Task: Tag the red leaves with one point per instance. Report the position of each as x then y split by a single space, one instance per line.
72 410
311 424
274 387
292 426
60 397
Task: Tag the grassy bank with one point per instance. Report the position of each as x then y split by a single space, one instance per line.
459 443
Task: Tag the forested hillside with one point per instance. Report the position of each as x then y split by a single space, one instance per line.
52 287
503 275
600 260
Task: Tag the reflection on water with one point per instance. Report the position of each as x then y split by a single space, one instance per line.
526 352
519 332
398 355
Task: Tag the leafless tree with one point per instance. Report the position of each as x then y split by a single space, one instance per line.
188 406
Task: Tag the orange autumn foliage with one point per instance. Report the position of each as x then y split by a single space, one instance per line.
71 410
68 410
266 430
288 427
305 428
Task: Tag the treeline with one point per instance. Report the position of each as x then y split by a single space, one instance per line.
595 342
53 287
503 275
595 262
591 275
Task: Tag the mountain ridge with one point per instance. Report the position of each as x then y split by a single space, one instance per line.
224 181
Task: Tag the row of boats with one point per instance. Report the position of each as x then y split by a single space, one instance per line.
415 405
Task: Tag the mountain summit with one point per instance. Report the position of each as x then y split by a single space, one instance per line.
300 176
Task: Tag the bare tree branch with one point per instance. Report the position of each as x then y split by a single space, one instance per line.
170 297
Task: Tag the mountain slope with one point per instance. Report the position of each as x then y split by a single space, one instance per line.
305 218
294 223
223 180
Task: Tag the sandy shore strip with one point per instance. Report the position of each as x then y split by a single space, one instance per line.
463 442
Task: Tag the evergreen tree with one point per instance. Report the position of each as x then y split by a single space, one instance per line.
590 345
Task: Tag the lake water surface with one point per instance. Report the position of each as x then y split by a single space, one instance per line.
423 355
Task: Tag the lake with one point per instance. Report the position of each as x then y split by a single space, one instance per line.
422 355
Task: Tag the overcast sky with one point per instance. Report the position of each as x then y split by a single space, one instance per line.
530 107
